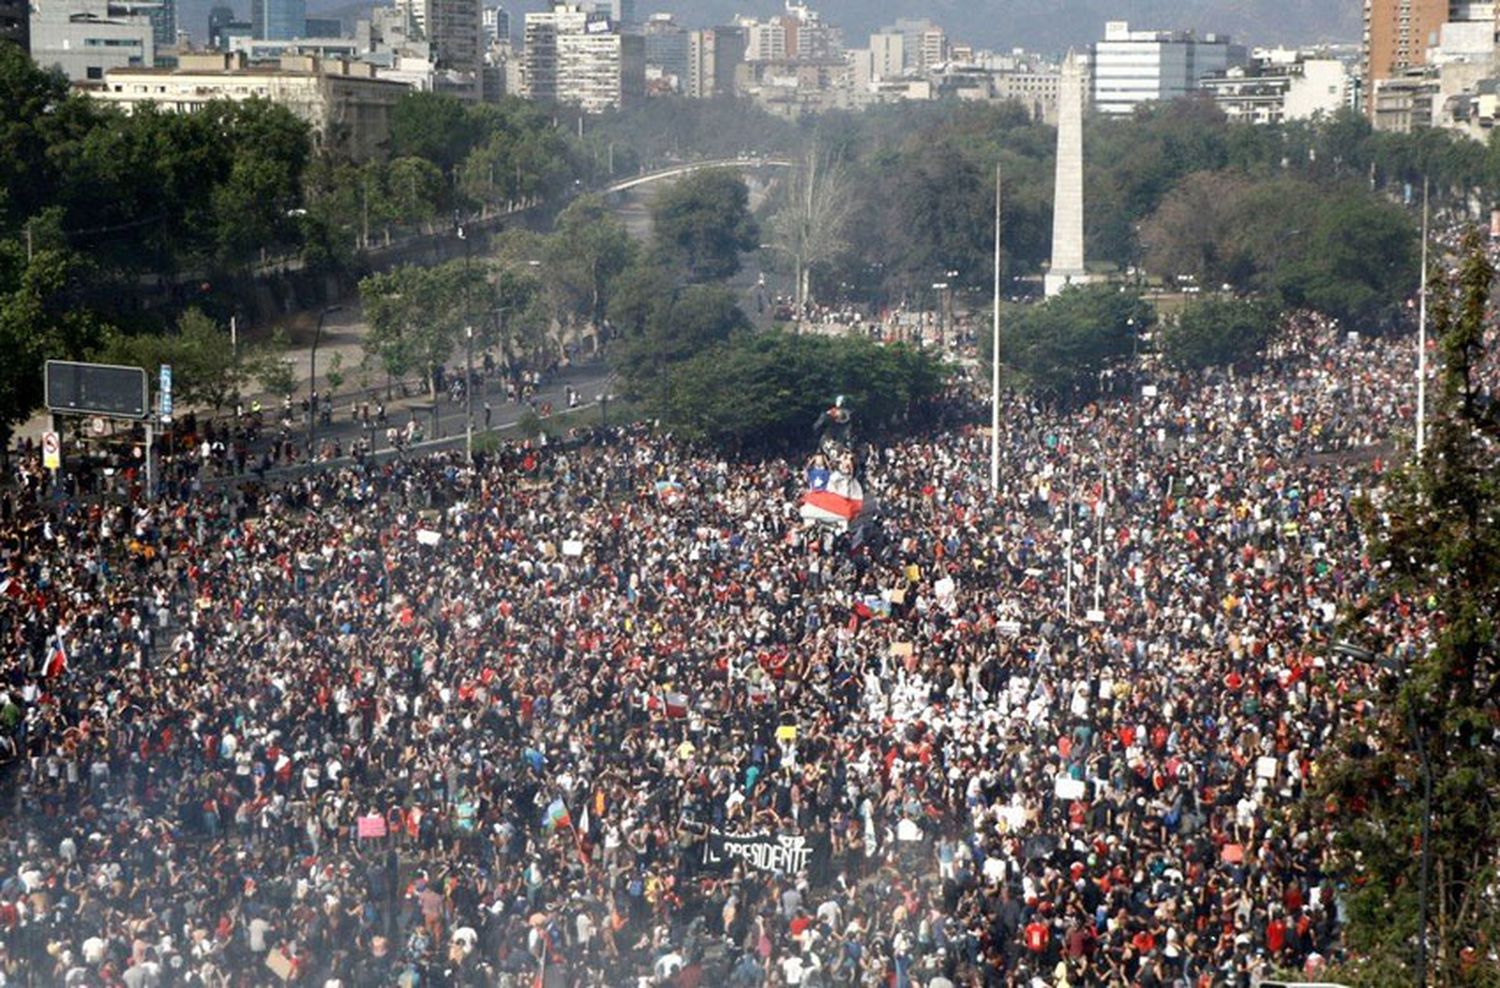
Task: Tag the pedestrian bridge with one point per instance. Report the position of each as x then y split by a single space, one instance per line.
688 167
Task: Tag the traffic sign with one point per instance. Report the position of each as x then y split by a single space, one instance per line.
51 451
164 391
96 389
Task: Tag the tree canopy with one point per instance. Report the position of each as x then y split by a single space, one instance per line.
1335 249
766 390
1059 347
1218 332
1410 795
702 223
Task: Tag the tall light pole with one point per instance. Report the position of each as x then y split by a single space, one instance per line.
995 355
468 359
312 382
1422 335
1099 509
469 392
1068 542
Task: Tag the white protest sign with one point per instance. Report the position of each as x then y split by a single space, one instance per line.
1069 788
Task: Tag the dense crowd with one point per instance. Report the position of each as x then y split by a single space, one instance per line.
523 722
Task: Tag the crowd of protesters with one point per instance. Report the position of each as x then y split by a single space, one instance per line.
427 722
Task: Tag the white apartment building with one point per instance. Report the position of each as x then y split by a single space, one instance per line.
1135 67
347 106
887 55
934 50
539 56
1272 91
600 70
714 54
765 41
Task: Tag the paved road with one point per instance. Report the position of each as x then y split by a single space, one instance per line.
589 379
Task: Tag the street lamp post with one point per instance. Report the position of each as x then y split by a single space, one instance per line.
469 392
468 358
312 382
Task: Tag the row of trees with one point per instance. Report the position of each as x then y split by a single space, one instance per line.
1334 248
1059 349
149 193
97 205
1408 793
917 192
688 353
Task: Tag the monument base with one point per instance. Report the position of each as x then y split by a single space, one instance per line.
1055 282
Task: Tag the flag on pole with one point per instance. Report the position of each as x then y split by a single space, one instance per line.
676 704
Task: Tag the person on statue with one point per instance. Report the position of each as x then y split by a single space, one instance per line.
834 425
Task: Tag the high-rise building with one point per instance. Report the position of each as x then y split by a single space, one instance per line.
277 20
1398 34
453 29
539 54
767 41
911 30
713 56
1135 67
86 38
224 27
934 50
1470 34
323 27
600 70
496 21
667 49
15 22
217 18
164 23
620 12
887 54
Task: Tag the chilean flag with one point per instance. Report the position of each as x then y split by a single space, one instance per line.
557 817
57 659
676 704
872 607
835 500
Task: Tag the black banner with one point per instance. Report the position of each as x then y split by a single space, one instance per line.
782 853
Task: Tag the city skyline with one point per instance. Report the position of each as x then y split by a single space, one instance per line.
1001 24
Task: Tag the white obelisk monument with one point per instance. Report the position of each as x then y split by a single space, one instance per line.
1067 197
